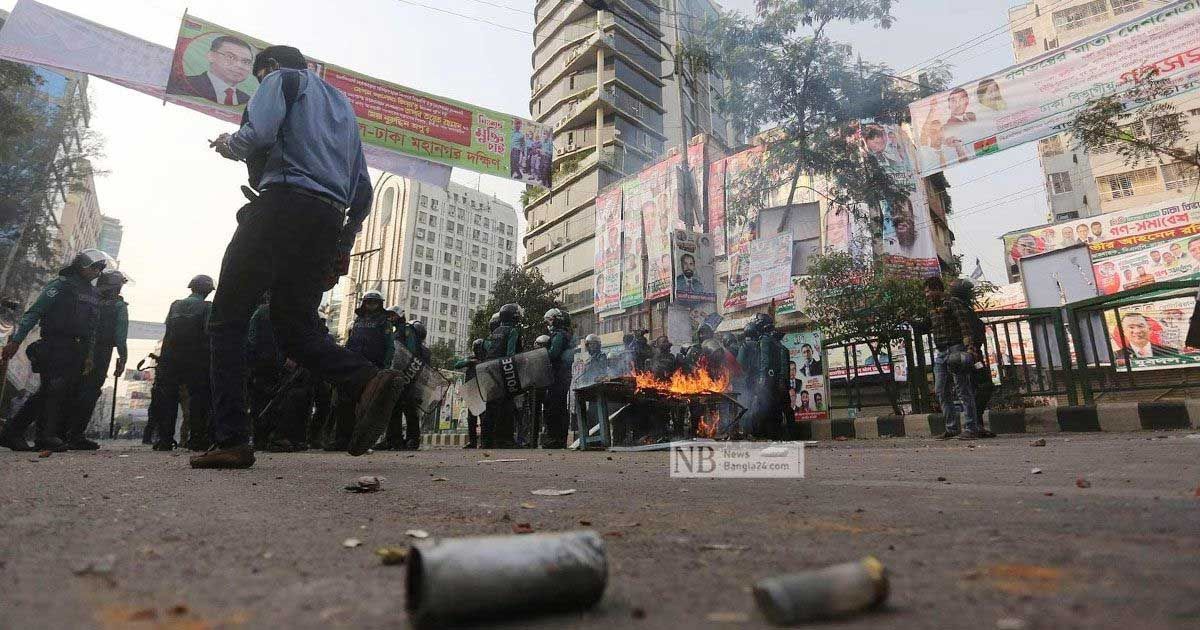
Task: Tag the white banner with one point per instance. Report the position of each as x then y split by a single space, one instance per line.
44 36
1038 98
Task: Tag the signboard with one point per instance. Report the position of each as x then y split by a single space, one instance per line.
807 386
1129 249
608 250
1038 98
770 270
856 361
212 64
716 205
695 276
1151 336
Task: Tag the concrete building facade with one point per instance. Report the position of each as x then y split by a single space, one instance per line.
607 82
80 222
111 234
436 251
1079 184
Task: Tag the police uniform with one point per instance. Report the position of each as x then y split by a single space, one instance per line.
184 363
112 330
499 421
66 310
555 405
404 429
371 336
468 365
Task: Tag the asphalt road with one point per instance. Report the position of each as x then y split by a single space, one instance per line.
991 546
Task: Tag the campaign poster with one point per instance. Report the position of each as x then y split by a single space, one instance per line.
633 278
683 320
1151 336
212 67
716 205
1039 97
856 361
769 276
695 273
795 302
807 385
908 246
741 225
608 250
695 216
1129 249
658 203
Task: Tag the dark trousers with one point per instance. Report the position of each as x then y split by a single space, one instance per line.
405 425
261 388
284 243
89 394
554 410
472 429
165 397
54 405
322 407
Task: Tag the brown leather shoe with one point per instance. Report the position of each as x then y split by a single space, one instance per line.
241 456
374 411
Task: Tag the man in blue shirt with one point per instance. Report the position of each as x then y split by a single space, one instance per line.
300 140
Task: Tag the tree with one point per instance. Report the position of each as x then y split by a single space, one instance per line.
854 300
1140 125
785 74
524 287
441 355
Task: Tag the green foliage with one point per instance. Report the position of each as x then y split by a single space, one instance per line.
442 355
785 74
16 80
516 285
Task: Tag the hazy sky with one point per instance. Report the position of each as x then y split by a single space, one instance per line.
176 198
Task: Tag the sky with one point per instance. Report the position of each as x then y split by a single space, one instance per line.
176 198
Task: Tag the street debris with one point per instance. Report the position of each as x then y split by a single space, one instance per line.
440 479
522 528
835 591
492 578
941 478
366 483
499 461
44 453
723 547
351 543
638 613
1035 471
528 506
102 566
1038 442
392 555
551 492
1080 482
728 617
1010 623
417 533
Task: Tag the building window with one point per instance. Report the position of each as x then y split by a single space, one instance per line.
1024 38
475 250
483 284
509 228
474 282
1127 184
454 309
424 201
445 291
482 267
448 258
457 277
1125 6
454 294
420 251
1059 183
1178 176
414 302
422 217
444 308
433 205
1051 146
1081 15
428 272
441 325
458 261
446 275
425 304
421 233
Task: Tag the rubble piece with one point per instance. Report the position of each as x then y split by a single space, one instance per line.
417 533
102 565
828 593
1080 482
551 492
392 555
1035 471
501 578
1038 442
351 543
499 461
366 483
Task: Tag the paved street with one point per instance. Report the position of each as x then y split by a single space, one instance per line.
991 546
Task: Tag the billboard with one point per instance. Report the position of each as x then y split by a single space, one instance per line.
633 278
657 198
908 246
608 250
695 275
211 67
807 385
1038 98
1151 336
770 267
1129 249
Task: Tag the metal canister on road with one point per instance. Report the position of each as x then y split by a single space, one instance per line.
827 593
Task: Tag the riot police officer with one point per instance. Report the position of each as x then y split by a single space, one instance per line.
505 341
478 354
112 329
371 333
404 430
561 357
184 362
66 310
693 357
766 374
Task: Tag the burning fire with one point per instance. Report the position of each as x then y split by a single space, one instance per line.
682 383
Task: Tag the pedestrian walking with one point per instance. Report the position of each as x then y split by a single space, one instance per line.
953 361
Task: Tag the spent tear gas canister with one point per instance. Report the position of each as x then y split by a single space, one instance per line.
421 382
826 593
495 578
508 377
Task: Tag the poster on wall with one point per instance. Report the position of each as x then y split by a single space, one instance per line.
1151 336
716 205
695 275
1039 97
692 203
657 200
856 361
1129 248
807 386
608 250
212 66
908 246
770 269
633 279
683 320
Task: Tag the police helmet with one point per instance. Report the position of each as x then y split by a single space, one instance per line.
543 341
371 295
494 322
555 318
704 332
111 278
478 348
88 258
419 330
511 313
592 341
201 284
398 311
962 289
760 324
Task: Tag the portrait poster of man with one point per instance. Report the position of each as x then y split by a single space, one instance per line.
807 385
212 64
633 272
1153 336
694 270
770 269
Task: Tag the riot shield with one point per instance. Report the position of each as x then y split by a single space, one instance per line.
507 377
418 381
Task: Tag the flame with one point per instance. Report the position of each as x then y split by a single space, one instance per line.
702 382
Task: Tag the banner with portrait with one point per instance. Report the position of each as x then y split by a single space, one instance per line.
715 187
1151 336
657 200
1129 249
856 361
695 273
212 66
608 250
683 320
807 385
770 268
1039 97
633 273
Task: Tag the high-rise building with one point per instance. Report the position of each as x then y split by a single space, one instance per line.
79 224
608 84
1078 184
110 236
436 251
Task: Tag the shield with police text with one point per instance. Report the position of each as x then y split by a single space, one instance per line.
419 381
509 376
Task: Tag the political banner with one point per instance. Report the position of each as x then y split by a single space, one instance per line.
633 278
1039 97
1129 249
1151 336
692 203
695 274
769 270
658 201
908 247
683 320
212 65
856 361
716 205
608 250
807 385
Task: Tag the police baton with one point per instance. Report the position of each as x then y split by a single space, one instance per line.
283 387
112 416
